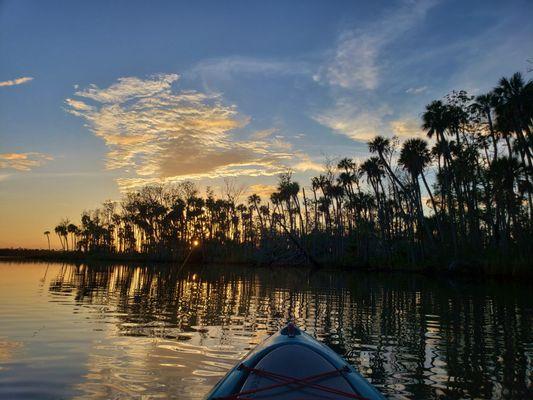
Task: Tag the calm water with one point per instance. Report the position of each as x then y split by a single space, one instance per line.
111 332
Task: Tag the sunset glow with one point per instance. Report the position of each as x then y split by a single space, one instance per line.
166 94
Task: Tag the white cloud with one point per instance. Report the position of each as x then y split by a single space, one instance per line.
226 67
416 90
18 81
129 88
356 59
262 134
356 69
163 135
23 161
306 164
355 62
355 121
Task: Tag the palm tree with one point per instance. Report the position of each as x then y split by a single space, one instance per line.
373 169
73 230
346 164
503 174
381 146
254 200
514 106
415 157
514 112
435 120
47 234
61 233
484 104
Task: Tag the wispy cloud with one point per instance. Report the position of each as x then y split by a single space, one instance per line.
157 134
262 190
358 122
363 124
417 90
356 60
262 134
15 82
407 128
129 88
23 161
234 66
356 69
304 163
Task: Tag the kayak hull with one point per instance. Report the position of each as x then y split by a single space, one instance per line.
313 369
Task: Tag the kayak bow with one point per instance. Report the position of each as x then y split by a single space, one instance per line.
292 365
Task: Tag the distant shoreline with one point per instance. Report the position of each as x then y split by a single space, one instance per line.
62 255
455 269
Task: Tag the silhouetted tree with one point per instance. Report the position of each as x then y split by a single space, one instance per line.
372 211
47 234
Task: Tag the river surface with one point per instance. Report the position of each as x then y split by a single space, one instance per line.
149 332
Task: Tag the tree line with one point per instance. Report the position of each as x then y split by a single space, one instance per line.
465 192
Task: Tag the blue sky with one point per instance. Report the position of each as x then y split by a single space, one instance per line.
126 93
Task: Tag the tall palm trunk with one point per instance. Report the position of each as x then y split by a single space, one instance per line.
433 204
492 134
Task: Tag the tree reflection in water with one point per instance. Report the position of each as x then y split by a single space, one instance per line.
412 336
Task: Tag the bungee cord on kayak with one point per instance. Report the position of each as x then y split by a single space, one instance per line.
291 382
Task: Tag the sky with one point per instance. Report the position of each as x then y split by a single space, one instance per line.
99 97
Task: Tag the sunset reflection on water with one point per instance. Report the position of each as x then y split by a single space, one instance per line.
115 331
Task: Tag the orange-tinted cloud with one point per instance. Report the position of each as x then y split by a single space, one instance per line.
264 191
158 134
15 82
23 161
406 128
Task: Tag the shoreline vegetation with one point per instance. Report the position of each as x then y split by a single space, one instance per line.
456 268
459 202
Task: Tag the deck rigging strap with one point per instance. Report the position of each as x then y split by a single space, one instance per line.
289 380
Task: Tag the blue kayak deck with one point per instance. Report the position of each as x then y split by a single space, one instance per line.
292 365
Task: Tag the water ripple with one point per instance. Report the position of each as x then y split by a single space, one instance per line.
111 331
